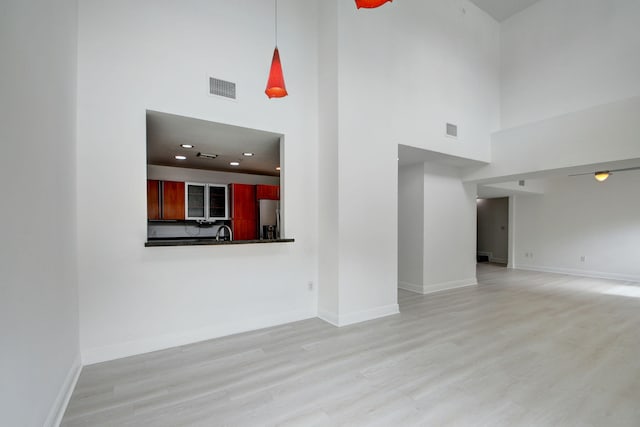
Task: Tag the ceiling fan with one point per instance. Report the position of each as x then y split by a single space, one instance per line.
601 176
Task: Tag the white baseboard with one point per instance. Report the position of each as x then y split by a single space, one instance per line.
411 287
444 286
437 287
329 317
359 316
146 345
363 316
64 395
581 273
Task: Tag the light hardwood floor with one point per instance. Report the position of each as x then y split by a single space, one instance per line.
520 349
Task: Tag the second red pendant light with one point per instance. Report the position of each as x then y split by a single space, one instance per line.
370 4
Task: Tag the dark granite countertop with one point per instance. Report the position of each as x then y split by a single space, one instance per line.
192 241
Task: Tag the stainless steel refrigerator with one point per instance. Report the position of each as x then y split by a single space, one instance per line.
269 214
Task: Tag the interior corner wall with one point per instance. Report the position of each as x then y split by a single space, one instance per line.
449 229
39 356
411 227
493 228
580 217
561 56
446 71
328 188
135 56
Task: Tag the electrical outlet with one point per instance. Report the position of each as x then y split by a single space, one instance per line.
582 258
310 285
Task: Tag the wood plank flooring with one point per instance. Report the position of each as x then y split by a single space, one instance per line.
520 349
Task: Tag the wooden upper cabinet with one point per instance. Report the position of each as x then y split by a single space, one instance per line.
173 200
165 200
268 192
153 199
244 211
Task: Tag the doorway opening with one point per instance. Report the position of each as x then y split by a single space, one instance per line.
492 243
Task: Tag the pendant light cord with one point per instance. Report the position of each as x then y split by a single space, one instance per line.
276 13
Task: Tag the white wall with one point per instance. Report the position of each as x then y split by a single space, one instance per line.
449 229
580 217
493 228
446 70
39 351
570 88
328 189
149 55
606 133
561 56
411 227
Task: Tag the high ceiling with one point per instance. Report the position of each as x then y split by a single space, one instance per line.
503 9
166 132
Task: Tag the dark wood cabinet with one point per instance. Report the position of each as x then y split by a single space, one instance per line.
244 211
172 200
165 200
268 192
153 199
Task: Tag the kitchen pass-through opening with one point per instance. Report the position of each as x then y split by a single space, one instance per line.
210 182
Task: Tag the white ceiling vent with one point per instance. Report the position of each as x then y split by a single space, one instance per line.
222 88
452 130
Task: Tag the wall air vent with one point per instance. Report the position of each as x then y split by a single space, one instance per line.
452 130
222 88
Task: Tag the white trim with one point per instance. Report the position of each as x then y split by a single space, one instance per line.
454 284
498 260
411 287
161 342
484 253
364 315
329 317
511 238
581 273
437 287
64 395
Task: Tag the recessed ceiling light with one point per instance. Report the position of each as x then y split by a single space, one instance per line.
187 145
247 154
278 168
181 157
234 163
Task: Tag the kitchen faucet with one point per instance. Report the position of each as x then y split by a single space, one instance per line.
222 227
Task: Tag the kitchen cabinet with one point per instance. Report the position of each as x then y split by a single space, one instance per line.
172 200
153 199
206 202
243 211
268 192
165 200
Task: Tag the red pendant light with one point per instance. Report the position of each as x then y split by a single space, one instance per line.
370 4
275 84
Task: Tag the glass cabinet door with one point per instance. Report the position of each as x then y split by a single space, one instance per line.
217 202
196 201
